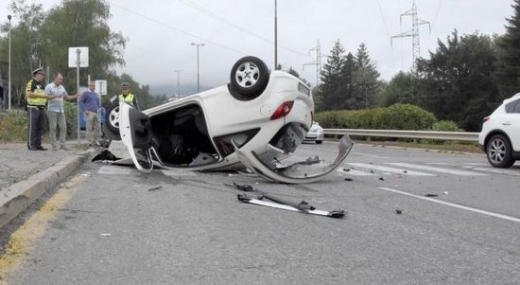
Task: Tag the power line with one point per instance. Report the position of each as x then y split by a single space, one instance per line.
239 27
175 28
437 12
383 17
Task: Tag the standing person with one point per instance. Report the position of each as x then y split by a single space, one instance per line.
36 102
90 106
128 97
56 111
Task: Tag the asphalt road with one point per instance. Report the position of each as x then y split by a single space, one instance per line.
193 230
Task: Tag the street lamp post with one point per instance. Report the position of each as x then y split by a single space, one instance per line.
275 35
9 71
178 71
198 45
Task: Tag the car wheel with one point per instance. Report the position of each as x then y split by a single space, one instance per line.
499 153
319 142
249 78
112 118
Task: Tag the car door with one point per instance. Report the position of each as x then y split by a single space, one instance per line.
513 125
136 133
311 170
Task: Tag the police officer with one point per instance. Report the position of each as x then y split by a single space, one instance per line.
36 102
128 97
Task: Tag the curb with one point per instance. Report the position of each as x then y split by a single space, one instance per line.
17 197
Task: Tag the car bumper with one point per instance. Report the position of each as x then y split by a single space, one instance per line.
314 137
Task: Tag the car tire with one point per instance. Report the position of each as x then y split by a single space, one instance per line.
499 152
319 142
248 79
112 118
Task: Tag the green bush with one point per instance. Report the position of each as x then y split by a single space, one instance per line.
13 126
71 118
446 126
395 117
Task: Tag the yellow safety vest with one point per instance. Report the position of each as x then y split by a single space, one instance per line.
38 90
128 99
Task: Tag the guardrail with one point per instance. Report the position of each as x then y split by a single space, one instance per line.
432 135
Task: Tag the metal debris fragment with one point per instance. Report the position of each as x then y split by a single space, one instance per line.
155 188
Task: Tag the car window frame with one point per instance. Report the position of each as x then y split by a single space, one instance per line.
513 107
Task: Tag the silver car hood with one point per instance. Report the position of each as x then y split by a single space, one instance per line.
308 171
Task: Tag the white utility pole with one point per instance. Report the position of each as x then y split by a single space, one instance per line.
198 45
178 71
9 72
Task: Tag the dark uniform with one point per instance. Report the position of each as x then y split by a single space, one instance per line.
35 112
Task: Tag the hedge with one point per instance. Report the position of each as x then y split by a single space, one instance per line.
395 117
13 124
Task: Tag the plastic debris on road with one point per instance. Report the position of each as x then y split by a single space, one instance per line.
155 188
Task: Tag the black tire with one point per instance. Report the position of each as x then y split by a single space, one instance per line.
499 152
249 77
112 118
319 142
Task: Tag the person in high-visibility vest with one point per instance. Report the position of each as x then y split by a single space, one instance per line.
128 97
36 102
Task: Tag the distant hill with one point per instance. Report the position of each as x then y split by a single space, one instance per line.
171 89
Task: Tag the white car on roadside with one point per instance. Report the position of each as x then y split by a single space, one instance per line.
315 134
500 135
255 121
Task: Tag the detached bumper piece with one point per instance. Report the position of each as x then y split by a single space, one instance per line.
308 171
302 207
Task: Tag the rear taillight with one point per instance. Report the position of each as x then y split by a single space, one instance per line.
283 110
486 119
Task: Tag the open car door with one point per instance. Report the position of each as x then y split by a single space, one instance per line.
136 133
308 171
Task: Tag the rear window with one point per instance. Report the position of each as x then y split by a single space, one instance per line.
513 107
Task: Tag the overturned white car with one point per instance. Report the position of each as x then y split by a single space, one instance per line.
258 118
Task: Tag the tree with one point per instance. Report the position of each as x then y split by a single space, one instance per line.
348 87
329 92
81 23
456 83
366 78
400 90
42 39
26 41
508 73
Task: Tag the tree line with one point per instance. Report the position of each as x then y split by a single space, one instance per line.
463 80
41 39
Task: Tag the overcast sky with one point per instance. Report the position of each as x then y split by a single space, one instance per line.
160 32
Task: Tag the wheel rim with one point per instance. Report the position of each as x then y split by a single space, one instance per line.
247 74
497 151
114 117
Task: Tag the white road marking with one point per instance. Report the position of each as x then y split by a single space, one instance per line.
475 210
437 169
476 163
512 172
384 169
114 170
178 172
